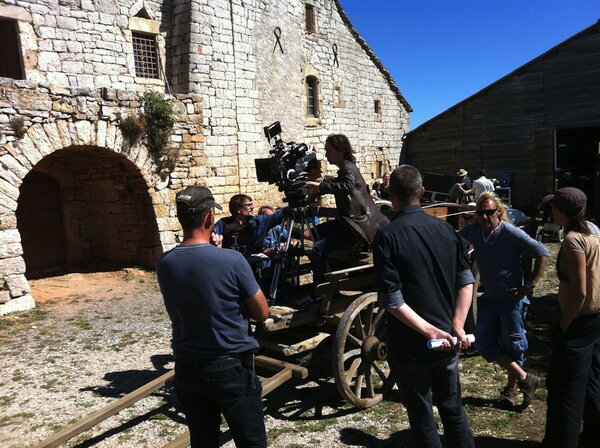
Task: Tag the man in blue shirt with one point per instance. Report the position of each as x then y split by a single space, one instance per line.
424 282
243 231
500 336
210 294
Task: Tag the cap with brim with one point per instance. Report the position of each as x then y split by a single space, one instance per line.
198 199
462 172
570 200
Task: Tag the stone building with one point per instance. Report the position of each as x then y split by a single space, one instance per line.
79 189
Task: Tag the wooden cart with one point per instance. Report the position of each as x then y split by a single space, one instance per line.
348 316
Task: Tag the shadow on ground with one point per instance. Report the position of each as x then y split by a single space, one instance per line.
125 382
401 439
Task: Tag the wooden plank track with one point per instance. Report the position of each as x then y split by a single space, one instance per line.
93 419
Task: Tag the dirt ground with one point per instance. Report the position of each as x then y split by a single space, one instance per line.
95 337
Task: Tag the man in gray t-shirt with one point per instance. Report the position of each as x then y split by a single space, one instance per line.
210 294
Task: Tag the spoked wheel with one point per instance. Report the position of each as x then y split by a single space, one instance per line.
359 361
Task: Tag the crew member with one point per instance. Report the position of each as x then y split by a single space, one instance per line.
360 216
424 281
242 231
500 335
209 295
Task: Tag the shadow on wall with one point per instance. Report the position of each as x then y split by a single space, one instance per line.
86 209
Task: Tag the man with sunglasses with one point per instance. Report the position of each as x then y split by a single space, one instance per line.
500 335
243 231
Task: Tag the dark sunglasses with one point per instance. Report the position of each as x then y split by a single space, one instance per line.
248 206
489 212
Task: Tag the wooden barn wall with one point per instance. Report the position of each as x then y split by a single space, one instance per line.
496 128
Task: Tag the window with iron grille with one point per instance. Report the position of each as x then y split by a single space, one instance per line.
145 55
312 99
310 18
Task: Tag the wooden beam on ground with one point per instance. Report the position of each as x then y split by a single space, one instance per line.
93 419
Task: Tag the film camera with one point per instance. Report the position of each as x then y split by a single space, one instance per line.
286 167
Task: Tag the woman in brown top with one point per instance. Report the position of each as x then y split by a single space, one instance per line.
574 375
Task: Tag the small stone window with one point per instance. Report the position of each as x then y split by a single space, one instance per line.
377 108
310 17
312 96
10 50
145 55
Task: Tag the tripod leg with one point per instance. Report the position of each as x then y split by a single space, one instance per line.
279 263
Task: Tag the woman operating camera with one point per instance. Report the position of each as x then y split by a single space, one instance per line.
360 217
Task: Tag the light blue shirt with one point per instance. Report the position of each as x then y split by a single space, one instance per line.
499 256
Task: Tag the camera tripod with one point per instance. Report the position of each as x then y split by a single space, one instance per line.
282 251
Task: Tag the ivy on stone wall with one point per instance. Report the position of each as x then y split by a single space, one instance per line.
156 124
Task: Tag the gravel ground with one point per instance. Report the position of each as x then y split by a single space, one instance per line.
96 337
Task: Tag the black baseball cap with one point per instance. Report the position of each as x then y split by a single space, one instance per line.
570 200
198 199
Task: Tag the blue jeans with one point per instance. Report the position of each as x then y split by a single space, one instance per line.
225 386
438 383
333 235
501 328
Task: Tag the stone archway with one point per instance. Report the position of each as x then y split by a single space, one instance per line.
99 210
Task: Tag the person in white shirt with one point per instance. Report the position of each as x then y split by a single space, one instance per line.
482 184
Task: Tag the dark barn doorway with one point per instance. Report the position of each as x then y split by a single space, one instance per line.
86 209
578 163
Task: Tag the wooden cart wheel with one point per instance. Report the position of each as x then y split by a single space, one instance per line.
359 360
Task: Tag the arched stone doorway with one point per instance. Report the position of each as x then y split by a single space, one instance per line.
86 209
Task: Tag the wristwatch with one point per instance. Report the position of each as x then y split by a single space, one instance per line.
529 285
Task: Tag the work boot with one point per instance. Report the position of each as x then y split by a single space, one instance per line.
528 386
508 398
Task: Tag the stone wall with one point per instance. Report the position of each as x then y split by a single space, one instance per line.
114 206
231 66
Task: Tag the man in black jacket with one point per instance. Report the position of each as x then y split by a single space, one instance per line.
360 216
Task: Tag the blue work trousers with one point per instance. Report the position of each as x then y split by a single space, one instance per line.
224 386
422 386
501 328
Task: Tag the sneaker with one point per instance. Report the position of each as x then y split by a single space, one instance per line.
528 386
508 397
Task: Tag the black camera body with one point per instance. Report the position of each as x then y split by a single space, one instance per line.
286 167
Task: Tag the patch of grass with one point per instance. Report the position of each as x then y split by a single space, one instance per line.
6 399
7 420
317 426
273 434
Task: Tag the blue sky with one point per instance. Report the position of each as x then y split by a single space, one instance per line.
442 51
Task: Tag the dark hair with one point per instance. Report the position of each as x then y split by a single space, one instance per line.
262 209
482 172
236 201
190 221
341 143
578 224
406 182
